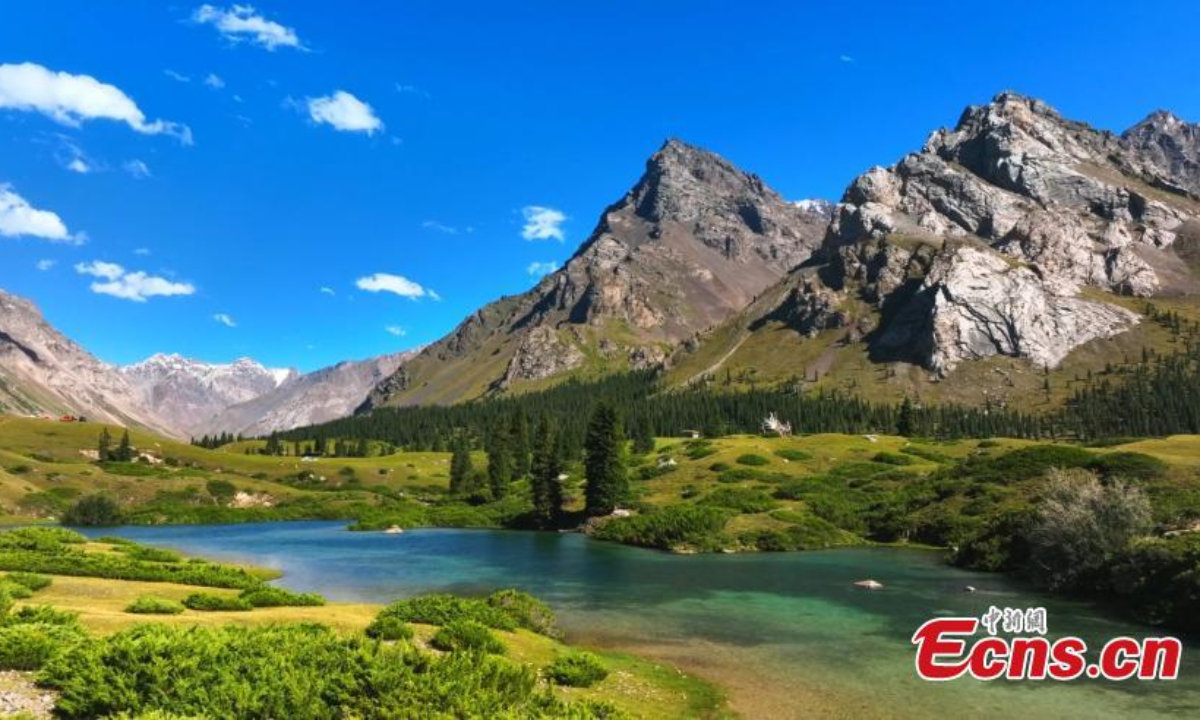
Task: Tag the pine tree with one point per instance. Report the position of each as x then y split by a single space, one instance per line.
906 423
460 467
500 463
124 451
546 468
518 435
104 446
643 439
604 461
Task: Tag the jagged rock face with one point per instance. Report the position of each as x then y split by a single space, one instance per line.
1169 144
44 373
1075 202
975 303
979 244
688 246
316 397
187 394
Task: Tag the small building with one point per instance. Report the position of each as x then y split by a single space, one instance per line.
692 434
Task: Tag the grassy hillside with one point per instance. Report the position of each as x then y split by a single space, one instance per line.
751 352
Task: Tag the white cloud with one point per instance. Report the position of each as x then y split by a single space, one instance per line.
225 320
45 265
142 251
71 99
344 112
242 22
18 217
114 280
439 227
100 269
396 284
327 291
214 81
137 168
176 76
845 58
542 223
79 165
538 269
396 330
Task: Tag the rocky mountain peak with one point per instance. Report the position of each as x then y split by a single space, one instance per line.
1170 144
981 242
690 244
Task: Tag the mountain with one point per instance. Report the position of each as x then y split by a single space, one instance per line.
187 394
1016 243
42 372
317 397
691 244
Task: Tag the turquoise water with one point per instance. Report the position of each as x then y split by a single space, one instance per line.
787 634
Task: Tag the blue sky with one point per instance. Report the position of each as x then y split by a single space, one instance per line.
258 182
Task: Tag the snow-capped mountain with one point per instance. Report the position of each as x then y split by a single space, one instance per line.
187 394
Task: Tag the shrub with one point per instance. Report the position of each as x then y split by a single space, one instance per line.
149 554
526 610
738 475
466 636
222 490
930 454
1157 580
389 628
93 510
1131 465
576 670
297 671
440 609
20 469
744 500
1082 525
672 527
32 581
793 454
210 602
39 538
270 596
720 467
43 614
752 459
29 646
888 458
150 605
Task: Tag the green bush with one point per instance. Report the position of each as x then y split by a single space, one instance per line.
93 510
270 596
15 591
29 646
526 610
1158 581
441 609
149 554
744 500
297 671
466 636
1130 465
209 602
752 459
693 526
389 628
793 454
39 538
150 605
576 670
888 458
720 467
929 453
44 614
